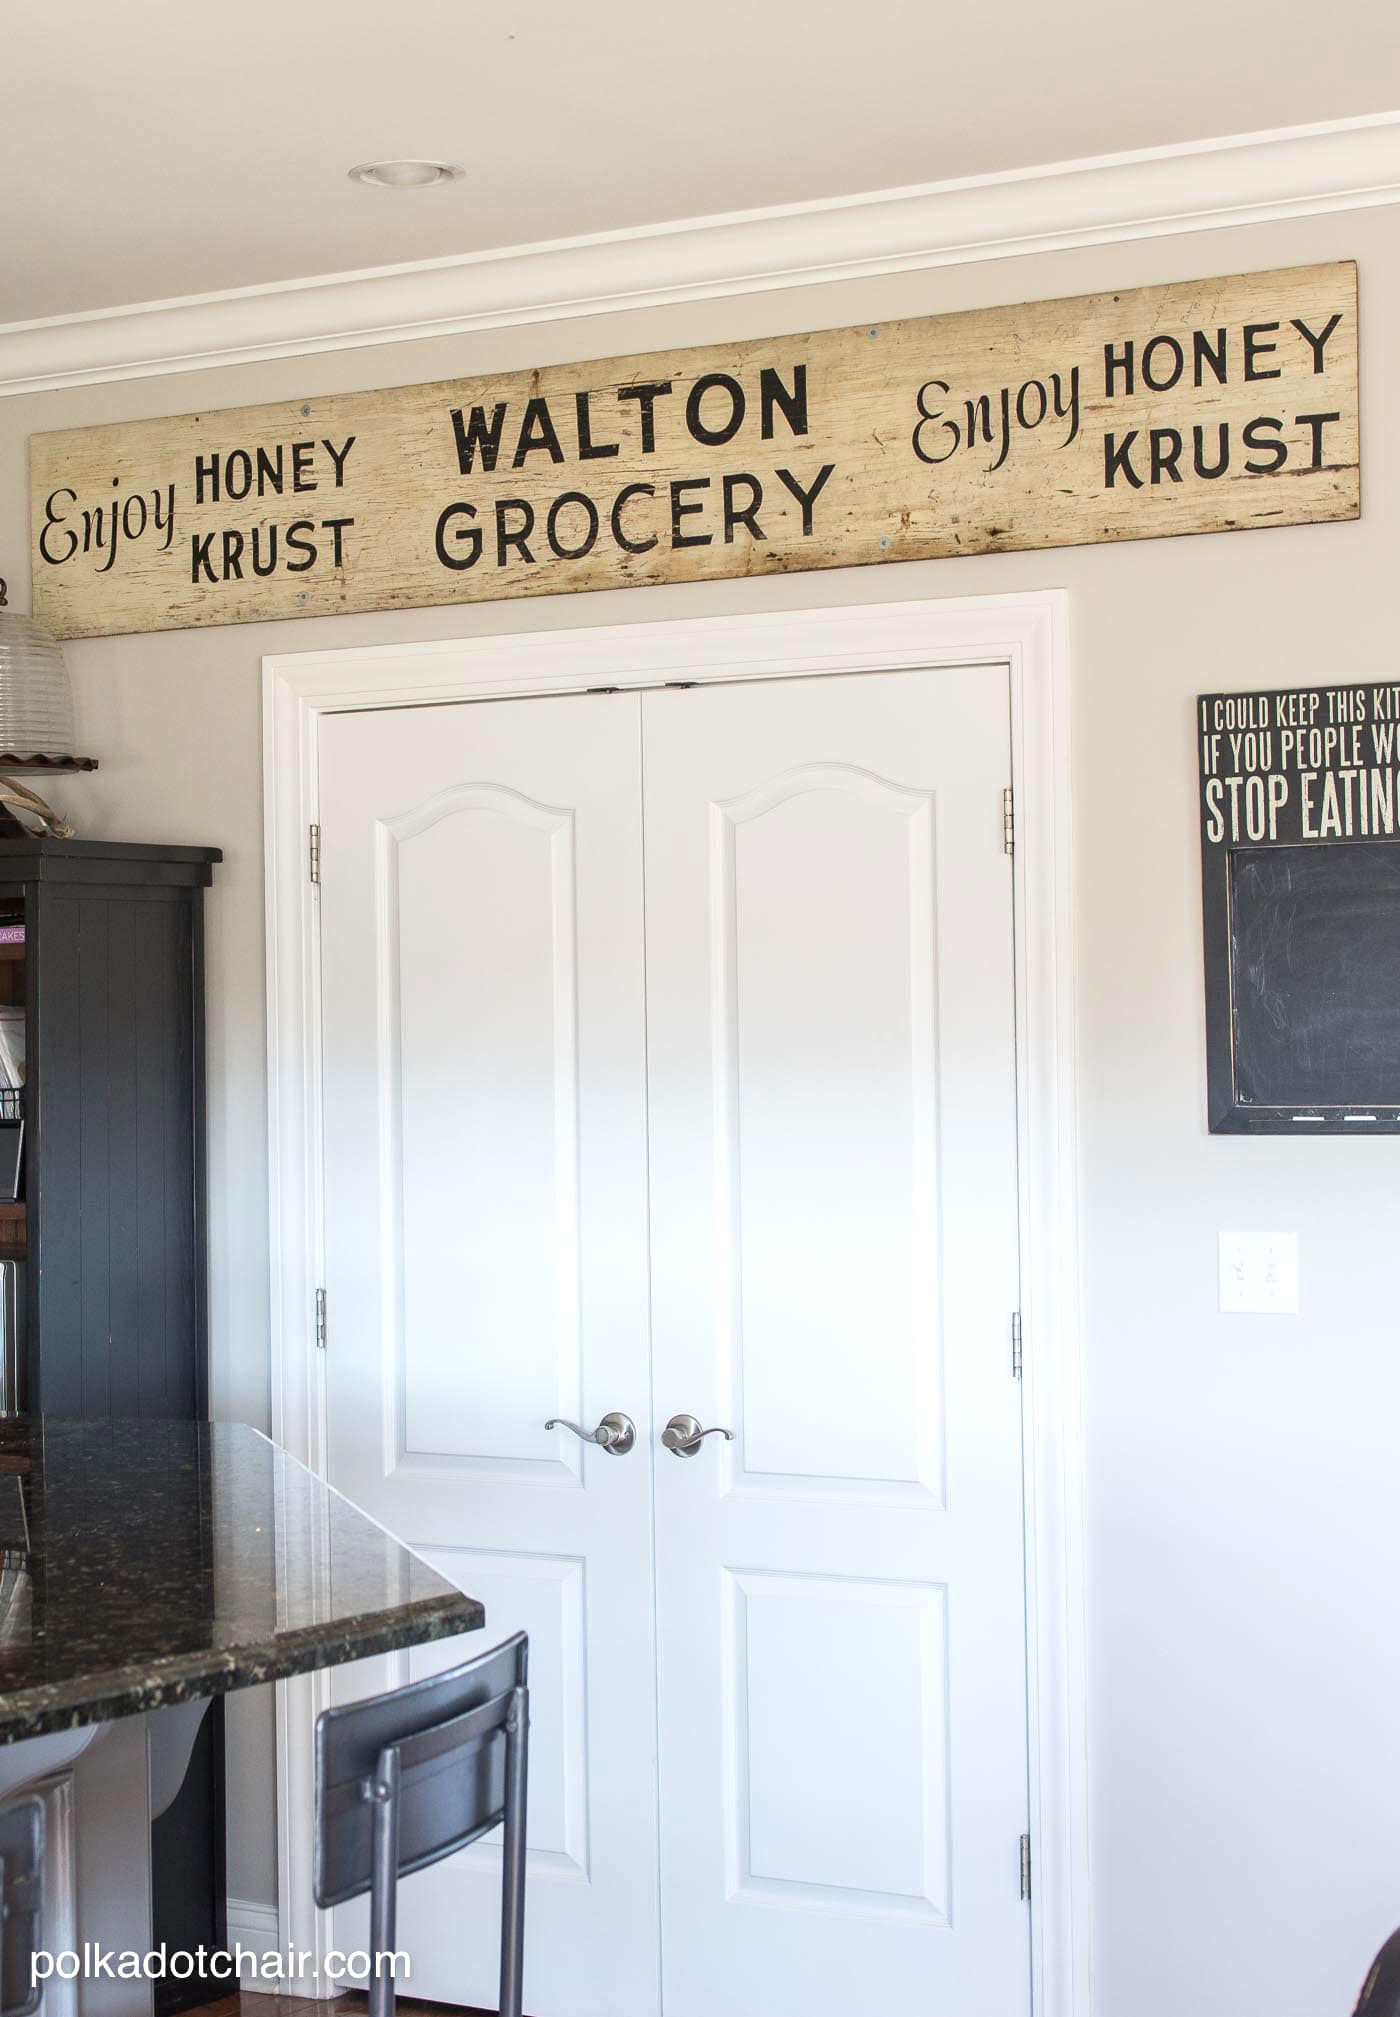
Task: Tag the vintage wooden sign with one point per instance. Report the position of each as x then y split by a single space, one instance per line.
1300 873
1205 407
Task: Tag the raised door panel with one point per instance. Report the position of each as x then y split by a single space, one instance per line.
478 1000
823 956
830 1805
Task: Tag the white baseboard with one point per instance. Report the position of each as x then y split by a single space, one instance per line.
254 1927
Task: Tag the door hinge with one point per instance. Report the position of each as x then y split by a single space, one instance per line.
314 853
1008 820
320 1320
1016 1350
1026 1868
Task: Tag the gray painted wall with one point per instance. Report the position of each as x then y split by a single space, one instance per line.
1243 1490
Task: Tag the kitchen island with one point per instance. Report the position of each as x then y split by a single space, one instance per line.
149 1566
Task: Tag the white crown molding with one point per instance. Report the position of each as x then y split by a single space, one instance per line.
1247 179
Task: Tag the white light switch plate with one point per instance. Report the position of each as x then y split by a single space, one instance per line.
1259 1274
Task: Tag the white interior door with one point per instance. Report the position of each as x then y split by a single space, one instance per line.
834 1269
485 1166
826 998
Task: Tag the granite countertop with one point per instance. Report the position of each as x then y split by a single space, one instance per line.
148 1562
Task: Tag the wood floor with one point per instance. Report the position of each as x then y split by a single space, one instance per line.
353 2004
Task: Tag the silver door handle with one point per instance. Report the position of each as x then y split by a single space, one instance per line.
615 1433
683 1435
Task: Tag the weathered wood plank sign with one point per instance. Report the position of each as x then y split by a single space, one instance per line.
1203 407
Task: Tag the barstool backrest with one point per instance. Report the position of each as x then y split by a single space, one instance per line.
21 1888
1380 1993
450 1735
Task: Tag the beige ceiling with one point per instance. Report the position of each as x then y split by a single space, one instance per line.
151 148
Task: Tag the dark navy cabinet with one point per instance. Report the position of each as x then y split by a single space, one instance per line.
109 1235
112 1233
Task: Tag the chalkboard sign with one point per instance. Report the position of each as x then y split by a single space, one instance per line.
1300 868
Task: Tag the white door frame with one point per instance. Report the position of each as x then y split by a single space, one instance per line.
1026 635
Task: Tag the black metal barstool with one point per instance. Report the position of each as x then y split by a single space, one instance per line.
406 1778
1380 1993
21 1903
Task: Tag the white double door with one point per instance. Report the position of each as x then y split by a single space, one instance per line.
669 1069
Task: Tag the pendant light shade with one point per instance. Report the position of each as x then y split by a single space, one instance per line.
36 700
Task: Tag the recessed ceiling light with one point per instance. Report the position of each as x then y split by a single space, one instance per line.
406 174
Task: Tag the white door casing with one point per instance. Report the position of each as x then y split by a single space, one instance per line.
840 1590
1025 635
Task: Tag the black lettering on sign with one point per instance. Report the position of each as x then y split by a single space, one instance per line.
807 494
551 530
1317 343
1222 455
590 450
200 563
264 564
1117 362
624 497
106 526
701 431
478 436
53 518
987 417
1163 362
338 456
1024 416
927 417
774 396
1255 348
646 397
1254 437
1117 460
1204 355
463 536
536 431
95 534
739 512
508 536
299 543
979 414
681 509
1316 422
1166 453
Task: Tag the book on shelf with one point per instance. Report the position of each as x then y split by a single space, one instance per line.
11 1047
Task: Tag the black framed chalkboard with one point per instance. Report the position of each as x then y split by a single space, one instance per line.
1300 877
1300 817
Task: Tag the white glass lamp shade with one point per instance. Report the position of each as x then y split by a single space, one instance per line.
36 700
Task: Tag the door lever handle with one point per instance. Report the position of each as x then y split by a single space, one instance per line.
615 1433
683 1435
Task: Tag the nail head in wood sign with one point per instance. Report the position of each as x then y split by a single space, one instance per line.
1209 406
1300 876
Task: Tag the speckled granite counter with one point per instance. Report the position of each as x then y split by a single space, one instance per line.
147 1562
